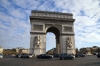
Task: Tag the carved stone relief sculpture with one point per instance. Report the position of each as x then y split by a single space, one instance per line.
38 27
69 42
37 41
68 29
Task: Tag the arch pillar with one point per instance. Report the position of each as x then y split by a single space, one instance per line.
58 45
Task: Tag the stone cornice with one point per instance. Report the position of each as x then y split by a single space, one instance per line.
49 18
36 11
51 15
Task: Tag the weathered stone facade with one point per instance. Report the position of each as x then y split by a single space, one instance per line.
61 24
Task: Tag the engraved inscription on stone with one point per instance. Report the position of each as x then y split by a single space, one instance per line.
38 27
67 29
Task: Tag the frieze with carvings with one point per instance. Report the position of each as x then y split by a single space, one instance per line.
52 22
38 27
51 15
67 29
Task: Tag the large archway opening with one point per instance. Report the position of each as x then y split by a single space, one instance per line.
50 41
53 39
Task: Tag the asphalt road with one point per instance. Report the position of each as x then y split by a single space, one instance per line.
80 61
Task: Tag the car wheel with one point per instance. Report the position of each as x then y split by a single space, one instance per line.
60 58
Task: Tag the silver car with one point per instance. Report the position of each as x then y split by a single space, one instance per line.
1 55
26 56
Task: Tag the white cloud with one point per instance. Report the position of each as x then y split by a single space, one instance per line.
16 14
28 4
11 35
5 3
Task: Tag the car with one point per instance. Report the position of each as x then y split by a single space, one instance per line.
56 55
51 56
44 56
95 53
18 55
24 56
80 55
98 55
72 55
30 55
1 55
66 56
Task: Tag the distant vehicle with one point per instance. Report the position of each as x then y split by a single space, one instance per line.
80 55
30 55
56 55
95 53
1 55
18 55
88 54
51 56
66 56
72 55
44 56
24 56
98 55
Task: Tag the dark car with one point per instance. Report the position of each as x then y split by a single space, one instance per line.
66 56
18 55
98 54
56 55
44 56
80 55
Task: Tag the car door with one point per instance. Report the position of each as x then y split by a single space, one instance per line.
46 56
68 56
43 56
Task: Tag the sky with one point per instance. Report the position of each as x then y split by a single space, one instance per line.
15 21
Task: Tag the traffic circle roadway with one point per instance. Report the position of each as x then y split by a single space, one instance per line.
80 61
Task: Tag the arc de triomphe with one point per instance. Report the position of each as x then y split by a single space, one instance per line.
61 24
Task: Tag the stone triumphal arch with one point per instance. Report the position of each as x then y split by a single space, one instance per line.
61 24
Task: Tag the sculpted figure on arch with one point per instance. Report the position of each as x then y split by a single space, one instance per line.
69 42
37 41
